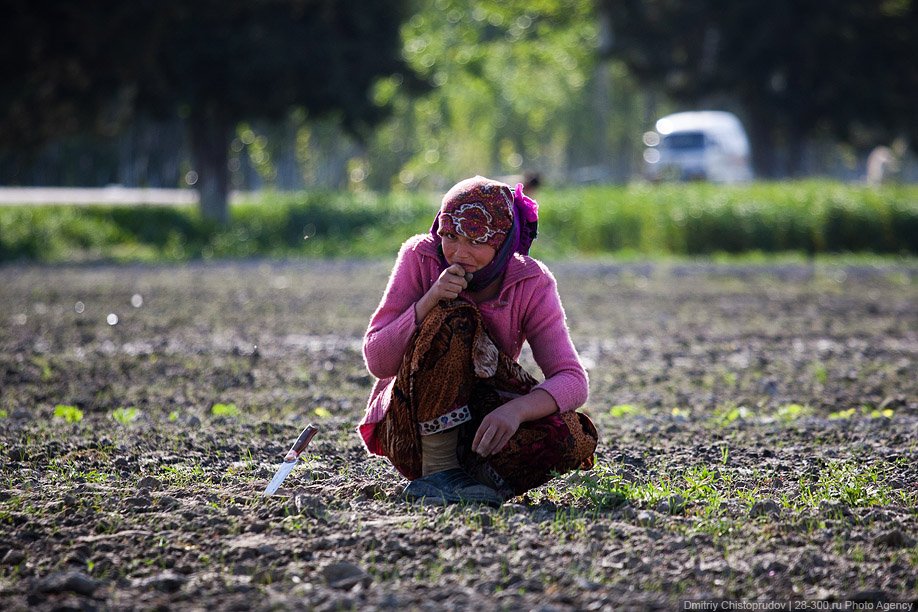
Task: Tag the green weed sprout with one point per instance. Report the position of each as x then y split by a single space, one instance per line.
225 410
126 415
621 410
71 414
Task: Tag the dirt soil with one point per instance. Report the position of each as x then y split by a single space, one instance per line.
758 441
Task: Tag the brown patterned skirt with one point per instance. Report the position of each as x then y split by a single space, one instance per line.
452 375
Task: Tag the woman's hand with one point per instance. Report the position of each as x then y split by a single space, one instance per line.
451 282
496 429
500 424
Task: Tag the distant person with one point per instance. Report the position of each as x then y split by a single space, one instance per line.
884 163
531 180
452 410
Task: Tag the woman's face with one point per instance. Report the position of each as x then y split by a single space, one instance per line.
469 254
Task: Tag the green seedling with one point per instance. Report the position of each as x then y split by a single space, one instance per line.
225 410
322 412
183 475
865 411
820 373
243 466
126 415
173 416
45 367
840 415
792 412
850 483
727 415
621 410
71 414
3 413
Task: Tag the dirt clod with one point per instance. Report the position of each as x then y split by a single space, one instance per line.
765 507
67 582
345 575
150 483
894 538
13 557
167 582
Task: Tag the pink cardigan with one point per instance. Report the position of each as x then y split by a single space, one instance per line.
528 308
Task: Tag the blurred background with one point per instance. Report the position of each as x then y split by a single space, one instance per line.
396 95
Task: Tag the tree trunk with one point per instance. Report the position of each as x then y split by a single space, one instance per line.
795 146
210 138
602 85
762 143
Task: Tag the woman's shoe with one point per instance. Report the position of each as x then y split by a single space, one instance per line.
449 487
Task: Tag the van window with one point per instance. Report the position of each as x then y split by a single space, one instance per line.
682 141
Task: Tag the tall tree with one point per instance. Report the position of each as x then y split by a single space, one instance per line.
505 71
63 70
795 66
215 62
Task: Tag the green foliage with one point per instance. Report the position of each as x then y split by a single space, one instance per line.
505 75
71 414
812 217
806 217
50 233
711 495
324 224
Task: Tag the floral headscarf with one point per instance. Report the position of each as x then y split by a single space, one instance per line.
486 210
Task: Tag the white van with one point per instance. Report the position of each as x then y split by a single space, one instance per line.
698 145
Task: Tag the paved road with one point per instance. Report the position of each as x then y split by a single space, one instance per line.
106 195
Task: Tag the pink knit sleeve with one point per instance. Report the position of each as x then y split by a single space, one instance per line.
392 324
548 337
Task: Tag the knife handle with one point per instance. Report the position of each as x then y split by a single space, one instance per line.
305 438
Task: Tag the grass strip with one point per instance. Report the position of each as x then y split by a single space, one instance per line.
809 217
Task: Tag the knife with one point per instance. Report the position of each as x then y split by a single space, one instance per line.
291 458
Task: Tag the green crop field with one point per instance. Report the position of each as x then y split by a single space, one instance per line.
812 217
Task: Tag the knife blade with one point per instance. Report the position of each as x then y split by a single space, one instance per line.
291 458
